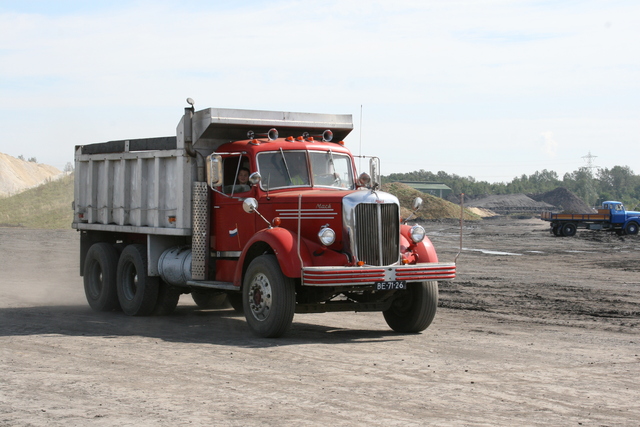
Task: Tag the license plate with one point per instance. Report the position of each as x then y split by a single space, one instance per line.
391 285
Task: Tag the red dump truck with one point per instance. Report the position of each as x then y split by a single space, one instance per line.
161 217
611 217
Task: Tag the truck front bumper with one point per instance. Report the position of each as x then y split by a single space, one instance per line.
368 275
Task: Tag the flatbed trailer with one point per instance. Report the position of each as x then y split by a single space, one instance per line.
611 217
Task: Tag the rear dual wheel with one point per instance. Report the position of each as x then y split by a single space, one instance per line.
569 229
100 271
137 292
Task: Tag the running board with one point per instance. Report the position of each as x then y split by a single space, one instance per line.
225 286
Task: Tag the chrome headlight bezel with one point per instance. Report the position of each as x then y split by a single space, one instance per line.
326 236
417 233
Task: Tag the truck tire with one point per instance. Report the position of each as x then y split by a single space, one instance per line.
210 299
555 231
269 298
631 229
137 292
100 270
569 229
414 309
168 297
235 299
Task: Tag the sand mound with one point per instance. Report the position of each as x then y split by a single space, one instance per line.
509 203
432 207
484 213
17 175
564 200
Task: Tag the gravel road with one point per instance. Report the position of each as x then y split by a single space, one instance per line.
536 330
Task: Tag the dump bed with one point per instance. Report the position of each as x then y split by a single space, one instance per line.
149 191
145 185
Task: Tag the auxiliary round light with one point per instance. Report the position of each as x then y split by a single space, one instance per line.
364 179
417 233
327 236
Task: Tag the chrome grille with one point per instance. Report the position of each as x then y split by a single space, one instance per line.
377 231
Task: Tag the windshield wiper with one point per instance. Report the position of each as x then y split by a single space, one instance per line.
285 164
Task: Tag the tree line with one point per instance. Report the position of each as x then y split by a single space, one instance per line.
618 183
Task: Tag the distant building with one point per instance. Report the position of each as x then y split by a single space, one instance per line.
437 189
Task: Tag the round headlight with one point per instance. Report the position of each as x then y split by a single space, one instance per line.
417 233
327 236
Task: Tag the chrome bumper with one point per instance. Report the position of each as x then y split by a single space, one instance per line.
367 275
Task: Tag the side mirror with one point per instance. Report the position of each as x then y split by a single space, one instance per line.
415 205
374 171
417 202
214 170
250 205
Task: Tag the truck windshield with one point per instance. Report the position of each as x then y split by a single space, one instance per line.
281 169
331 169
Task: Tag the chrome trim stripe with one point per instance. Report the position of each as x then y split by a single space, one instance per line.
306 213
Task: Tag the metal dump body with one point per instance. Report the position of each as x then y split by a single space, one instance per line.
145 185
133 191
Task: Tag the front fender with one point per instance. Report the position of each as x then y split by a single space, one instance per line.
284 244
414 253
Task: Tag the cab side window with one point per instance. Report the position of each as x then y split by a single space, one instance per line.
235 180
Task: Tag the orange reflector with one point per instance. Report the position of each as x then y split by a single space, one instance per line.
172 219
276 221
360 263
405 261
341 142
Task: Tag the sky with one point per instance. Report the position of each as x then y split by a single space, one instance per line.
491 89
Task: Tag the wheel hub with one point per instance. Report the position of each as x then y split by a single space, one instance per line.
260 297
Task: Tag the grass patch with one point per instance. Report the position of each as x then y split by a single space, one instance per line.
47 206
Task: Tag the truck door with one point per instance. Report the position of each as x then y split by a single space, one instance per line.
617 213
232 228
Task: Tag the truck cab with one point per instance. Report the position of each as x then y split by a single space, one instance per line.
628 221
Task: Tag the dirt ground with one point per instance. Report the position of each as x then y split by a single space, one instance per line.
536 330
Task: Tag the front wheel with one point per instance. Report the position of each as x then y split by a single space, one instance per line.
268 297
631 229
414 309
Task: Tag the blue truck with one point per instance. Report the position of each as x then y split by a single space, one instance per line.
611 217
